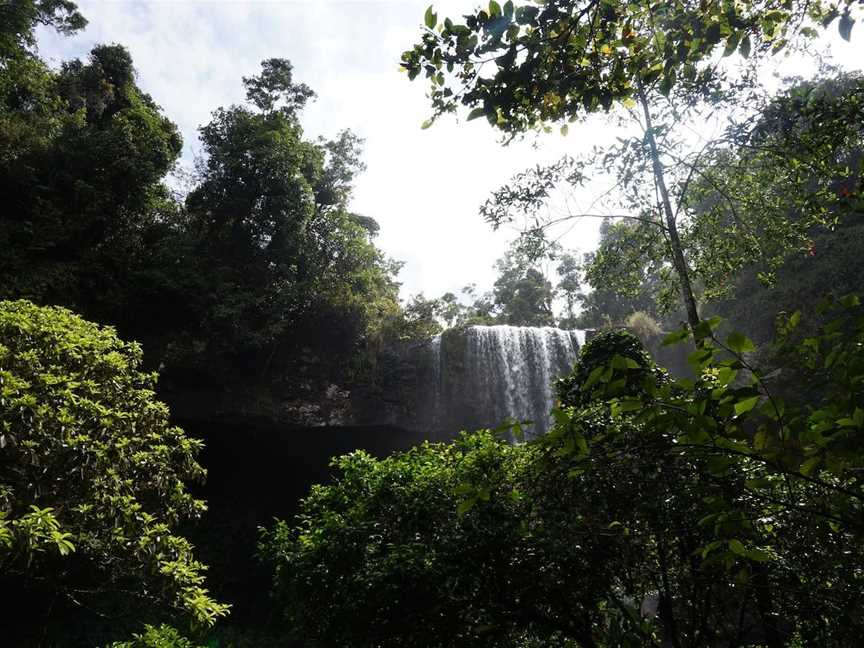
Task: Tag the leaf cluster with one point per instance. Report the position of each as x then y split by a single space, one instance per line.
93 479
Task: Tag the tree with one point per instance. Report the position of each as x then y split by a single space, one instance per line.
93 479
627 273
569 285
19 19
419 319
82 155
523 68
287 264
400 566
163 636
523 295
757 201
791 172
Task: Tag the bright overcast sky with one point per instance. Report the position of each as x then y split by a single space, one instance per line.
423 187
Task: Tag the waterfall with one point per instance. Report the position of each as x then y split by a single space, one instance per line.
481 375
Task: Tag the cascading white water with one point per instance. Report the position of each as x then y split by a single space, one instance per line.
482 375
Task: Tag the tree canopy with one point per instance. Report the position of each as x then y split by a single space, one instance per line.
19 19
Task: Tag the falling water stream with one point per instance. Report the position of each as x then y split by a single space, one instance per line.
481 375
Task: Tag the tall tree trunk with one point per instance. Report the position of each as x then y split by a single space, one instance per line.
678 260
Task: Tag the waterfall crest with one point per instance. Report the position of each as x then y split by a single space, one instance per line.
479 376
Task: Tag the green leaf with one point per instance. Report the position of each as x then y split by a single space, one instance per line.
666 84
744 48
526 15
700 357
744 406
757 555
845 26
739 343
494 8
463 489
618 362
706 327
629 405
465 505
736 547
476 114
593 377
726 375
426 124
850 301
808 466
430 19
675 337
732 44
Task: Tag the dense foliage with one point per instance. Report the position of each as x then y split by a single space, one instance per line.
277 261
82 154
794 171
92 474
261 259
654 513
379 557
18 20
163 636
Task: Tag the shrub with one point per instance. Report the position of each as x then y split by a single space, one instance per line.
92 475
162 637
611 352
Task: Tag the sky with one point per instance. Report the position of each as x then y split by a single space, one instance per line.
424 187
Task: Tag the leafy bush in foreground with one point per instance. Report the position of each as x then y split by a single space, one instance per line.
92 475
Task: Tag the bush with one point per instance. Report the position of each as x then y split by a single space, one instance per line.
613 352
162 637
92 475
379 556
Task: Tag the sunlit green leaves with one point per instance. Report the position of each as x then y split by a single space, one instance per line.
636 44
744 406
94 463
